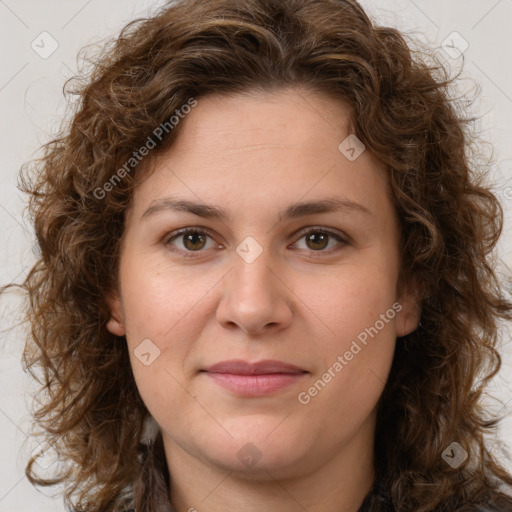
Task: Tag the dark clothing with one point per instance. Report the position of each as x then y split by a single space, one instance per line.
379 499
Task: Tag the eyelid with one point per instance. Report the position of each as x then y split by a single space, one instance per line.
342 238
330 231
183 231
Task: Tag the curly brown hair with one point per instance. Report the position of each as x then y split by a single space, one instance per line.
90 409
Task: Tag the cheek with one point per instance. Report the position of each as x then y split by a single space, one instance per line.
358 311
157 308
158 298
355 370
349 298
163 390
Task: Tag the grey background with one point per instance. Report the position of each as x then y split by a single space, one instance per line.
32 104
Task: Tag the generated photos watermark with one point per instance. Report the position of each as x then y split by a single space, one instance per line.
454 455
304 397
158 133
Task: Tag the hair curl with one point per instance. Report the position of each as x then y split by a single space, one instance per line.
91 411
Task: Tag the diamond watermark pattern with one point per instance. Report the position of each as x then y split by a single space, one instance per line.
45 455
454 45
44 45
249 455
455 455
249 250
351 147
147 352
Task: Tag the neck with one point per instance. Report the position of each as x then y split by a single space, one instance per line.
338 484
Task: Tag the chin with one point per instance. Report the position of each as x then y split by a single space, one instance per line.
254 454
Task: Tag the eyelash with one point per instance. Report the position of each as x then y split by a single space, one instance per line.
202 231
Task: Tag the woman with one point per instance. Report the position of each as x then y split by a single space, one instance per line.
265 278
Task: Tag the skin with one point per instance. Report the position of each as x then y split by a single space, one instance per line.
298 302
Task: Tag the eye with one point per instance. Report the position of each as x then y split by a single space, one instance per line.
191 240
317 239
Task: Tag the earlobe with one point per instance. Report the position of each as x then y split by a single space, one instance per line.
408 318
115 323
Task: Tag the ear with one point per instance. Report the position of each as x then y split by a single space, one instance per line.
408 317
115 323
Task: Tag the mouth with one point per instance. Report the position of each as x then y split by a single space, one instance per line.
246 379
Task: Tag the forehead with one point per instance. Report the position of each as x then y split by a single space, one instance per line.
258 120
280 146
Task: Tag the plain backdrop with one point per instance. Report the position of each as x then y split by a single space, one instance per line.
32 104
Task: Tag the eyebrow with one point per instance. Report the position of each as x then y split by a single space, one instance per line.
293 211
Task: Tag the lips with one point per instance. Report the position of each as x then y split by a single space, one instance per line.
246 379
240 367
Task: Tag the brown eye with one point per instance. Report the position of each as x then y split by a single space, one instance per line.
189 240
193 241
320 240
317 241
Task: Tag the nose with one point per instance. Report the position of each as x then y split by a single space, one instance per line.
254 298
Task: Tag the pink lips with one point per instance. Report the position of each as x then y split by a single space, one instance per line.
254 379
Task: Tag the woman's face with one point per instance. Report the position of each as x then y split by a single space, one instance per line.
292 261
